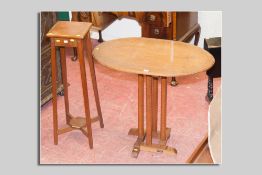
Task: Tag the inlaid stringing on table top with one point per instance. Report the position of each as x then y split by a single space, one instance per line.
66 29
156 57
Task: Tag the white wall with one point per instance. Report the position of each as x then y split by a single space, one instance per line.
120 29
210 22
211 25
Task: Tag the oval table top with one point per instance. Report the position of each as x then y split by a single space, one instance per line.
156 57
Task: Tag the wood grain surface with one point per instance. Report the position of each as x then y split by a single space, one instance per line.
69 29
156 57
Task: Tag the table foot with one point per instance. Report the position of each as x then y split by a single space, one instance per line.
173 82
136 148
74 57
155 135
135 152
158 148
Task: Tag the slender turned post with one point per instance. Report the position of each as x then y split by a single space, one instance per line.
148 110
154 104
163 109
140 106
100 39
54 87
197 36
74 57
65 84
210 89
85 93
93 77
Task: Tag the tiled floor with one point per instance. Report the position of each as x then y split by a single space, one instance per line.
186 115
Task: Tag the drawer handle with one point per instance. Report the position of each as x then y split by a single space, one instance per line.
156 31
152 17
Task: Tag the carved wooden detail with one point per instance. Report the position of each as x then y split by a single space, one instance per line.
48 19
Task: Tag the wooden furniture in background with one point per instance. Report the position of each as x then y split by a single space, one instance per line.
73 34
180 26
201 154
48 19
100 20
215 128
204 157
213 46
176 59
212 141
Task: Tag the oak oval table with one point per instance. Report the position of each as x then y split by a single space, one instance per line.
155 59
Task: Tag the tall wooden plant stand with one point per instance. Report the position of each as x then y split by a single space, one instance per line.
73 34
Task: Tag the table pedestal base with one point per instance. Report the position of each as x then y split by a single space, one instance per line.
155 135
145 136
160 147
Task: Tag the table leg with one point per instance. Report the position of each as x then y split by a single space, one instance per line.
74 57
100 39
197 35
65 84
93 77
209 95
140 106
140 130
148 110
163 138
173 81
154 104
85 92
54 87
